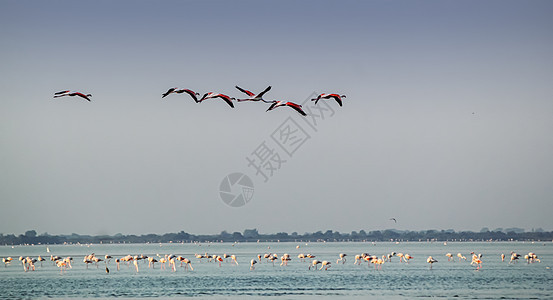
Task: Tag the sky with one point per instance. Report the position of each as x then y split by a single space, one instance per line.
446 125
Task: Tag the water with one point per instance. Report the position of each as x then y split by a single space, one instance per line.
496 280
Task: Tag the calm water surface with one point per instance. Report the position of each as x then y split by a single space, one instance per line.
496 280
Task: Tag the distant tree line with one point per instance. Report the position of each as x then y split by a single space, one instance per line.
252 235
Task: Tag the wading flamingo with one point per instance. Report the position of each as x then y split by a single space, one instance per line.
431 260
314 264
325 264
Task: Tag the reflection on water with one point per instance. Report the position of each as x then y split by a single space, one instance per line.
395 281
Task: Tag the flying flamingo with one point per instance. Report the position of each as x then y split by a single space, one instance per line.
293 105
169 91
226 98
69 93
342 258
57 94
431 260
254 97
192 94
336 97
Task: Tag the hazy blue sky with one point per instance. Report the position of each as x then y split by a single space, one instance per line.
447 123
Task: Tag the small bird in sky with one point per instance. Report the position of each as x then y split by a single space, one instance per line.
393 219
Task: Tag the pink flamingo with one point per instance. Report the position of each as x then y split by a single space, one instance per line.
253 97
192 94
71 94
293 105
336 97
226 98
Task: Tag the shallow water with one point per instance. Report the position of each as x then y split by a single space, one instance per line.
496 280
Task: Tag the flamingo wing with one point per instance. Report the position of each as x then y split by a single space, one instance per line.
62 92
227 99
337 98
275 104
263 93
205 96
296 107
81 95
191 93
318 98
245 91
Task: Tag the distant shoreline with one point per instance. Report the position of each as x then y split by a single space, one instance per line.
252 235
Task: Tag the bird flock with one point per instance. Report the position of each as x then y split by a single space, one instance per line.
170 261
229 100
